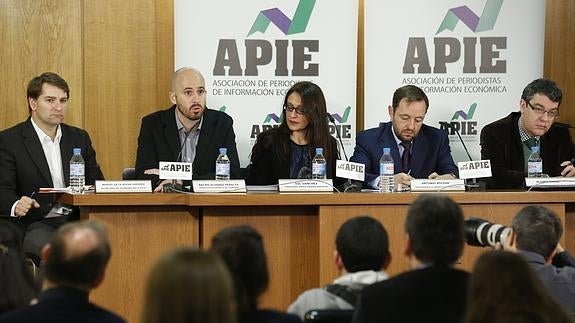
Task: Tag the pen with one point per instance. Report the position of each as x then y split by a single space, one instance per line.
32 194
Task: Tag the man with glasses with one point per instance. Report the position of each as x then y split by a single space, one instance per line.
187 131
507 142
418 150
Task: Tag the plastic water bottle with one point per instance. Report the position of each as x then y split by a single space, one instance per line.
223 165
386 172
534 163
77 172
318 165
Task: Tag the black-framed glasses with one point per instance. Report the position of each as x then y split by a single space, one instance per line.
300 111
552 114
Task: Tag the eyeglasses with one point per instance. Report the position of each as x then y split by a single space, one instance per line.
300 111
552 114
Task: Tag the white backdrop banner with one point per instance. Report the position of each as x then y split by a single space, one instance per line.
471 57
251 52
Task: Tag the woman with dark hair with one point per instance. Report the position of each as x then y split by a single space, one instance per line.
189 286
242 249
287 151
17 286
505 289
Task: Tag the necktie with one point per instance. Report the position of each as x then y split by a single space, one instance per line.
406 157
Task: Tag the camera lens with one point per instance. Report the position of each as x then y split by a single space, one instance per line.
482 233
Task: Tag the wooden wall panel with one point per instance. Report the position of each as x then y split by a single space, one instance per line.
128 62
39 36
559 58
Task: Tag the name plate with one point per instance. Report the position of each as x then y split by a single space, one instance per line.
213 186
550 182
305 185
136 186
435 185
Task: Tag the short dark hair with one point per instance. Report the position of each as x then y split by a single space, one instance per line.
35 85
81 270
543 86
242 249
537 229
435 227
362 243
411 93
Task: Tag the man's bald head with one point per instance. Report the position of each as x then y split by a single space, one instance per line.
77 255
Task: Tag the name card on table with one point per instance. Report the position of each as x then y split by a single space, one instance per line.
474 169
305 185
437 185
176 170
135 186
550 182
224 186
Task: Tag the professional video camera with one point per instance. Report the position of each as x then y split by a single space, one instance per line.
482 233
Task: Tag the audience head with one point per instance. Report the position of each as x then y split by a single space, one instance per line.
188 93
539 106
242 249
189 286
537 229
48 96
362 244
77 255
407 111
517 295
16 280
435 229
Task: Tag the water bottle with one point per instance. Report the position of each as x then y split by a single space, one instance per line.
386 172
318 165
77 172
223 165
534 163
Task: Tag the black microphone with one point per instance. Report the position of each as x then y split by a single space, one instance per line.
173 186
470 183
449 125
563 125
349 185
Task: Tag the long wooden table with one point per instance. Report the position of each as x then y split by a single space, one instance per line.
298 229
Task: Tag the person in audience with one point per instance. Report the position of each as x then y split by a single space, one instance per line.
187 131
242 249
535 235
36 153
16 279
361 255
507 142
75 263
515 296
287 151
418 150
189 286
433 291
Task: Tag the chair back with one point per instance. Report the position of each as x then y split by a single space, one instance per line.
129 173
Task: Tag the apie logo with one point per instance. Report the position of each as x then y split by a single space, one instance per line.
267 124
271 54
344 129
465 127
470 19
288 26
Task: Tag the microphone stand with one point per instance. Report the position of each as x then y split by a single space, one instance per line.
174 186
349 185
471 184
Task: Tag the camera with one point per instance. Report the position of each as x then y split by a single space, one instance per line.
482 233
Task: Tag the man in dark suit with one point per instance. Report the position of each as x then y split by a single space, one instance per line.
535 235
433 291
187 131
36 153
76 260
418 150
507 142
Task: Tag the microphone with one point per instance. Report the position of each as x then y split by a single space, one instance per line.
472 183
349 185
174 186
563 125
449 125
